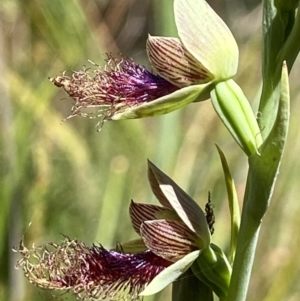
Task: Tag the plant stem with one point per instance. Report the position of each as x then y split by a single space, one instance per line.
262 175
244 258
279 44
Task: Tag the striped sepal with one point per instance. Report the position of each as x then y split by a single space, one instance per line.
155 187
186 208
172 61
140 213
170 240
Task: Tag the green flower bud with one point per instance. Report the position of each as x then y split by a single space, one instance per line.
233 108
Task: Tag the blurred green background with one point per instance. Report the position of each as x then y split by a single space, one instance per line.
68 178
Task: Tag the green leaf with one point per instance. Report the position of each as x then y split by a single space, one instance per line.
281 33
170 274
266 164
235 216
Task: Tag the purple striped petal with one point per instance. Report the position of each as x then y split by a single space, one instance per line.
173 62
142 212
171 240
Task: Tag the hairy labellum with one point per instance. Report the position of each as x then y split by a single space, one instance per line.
90 272
120 85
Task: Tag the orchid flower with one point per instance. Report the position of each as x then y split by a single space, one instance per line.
172 237
197 65
183 70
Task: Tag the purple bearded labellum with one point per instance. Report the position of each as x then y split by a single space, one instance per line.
119 85
90 272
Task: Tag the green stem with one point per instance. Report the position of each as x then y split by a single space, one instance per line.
244 258
279 44
248 235
273 120
262 175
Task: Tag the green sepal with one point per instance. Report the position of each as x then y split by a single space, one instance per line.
170 274
233 108
205 35
163 105
235 215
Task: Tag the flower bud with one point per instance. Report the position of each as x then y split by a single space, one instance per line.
236 113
